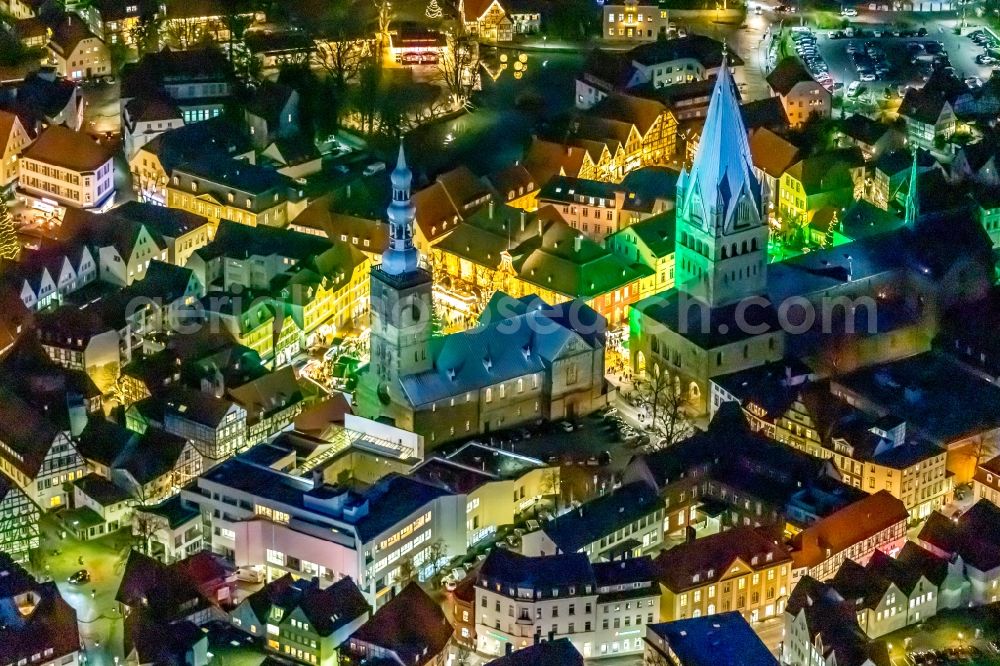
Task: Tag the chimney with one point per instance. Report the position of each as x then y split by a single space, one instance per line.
540 225
552 636
578 242
537 638
508 649
491 217
689 534
348 190
524 219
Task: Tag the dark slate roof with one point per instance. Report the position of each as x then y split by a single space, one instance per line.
168 66
151 455
241 241
275 593
924 562
25 430
829 615
100 490
613 69
174 511
511 569
219 173
723 638
922 105
973 536
192 405
622 572
160 642
864 129
164 591
600 517
767 112
786 74
705 50
772 386
559 652
932 392
269 100
503 349
657 232
164 281
41 95
390 499
411 624
706 327
102 441
860 585
52 624
217 136
329 609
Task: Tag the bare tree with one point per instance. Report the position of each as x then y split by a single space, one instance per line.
183 32
407 572
383 15
342 56
437 551
146 33
663 406
458 69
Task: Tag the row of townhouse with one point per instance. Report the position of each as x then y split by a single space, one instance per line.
501 248
280 291
841 620
872 452
116 248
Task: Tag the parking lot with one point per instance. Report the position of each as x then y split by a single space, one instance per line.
952 637
882 55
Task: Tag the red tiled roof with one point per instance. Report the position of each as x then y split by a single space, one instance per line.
842 529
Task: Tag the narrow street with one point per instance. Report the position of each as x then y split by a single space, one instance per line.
97 613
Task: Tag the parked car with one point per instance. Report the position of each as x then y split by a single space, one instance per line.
848 11
80 577
867 77
250 575
374 168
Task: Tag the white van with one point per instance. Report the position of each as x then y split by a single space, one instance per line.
374 168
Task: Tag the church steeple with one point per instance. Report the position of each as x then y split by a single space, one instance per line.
721 253
401 307
722 172
401 256
912 196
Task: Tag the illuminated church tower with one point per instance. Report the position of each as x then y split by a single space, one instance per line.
721 230
400 306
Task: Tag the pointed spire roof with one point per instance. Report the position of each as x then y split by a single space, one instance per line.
722 167
912 201
401 176
401 256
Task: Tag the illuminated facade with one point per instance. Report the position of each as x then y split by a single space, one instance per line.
19 516
634 20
